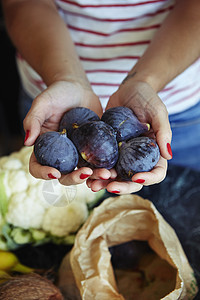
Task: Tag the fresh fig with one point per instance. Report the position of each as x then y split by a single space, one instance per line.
56 150
124 122
139 154
97 144
75 117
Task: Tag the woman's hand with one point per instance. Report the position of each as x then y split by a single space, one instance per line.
148 107
45 115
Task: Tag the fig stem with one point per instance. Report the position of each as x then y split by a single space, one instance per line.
64 131
120 144
84 156
148 126
75 125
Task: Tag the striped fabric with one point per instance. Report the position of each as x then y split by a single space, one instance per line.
110 36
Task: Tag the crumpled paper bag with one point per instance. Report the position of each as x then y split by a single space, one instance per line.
118 220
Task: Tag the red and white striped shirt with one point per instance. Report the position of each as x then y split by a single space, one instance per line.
110 36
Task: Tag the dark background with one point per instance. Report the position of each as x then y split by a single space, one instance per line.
11 134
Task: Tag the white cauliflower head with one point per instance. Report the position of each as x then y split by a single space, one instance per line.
34 209
61 221
25 212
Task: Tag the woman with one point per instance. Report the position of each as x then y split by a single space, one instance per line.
139 54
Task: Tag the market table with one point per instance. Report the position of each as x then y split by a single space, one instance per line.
177 198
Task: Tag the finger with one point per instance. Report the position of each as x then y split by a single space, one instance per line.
101 174
89 182
123 187
104 174
34 121
45 172
100 179
144 178
162 130
113 173
156 175
42 172
97 184
76 177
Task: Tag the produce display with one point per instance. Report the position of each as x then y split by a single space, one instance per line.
27 214
115 140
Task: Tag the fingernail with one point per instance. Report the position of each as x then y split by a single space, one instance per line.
103 178
169 149
84 176
139 180
89 184
51 176
115 192
27 135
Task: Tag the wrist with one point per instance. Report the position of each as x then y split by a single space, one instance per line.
64 72
156 81
153 71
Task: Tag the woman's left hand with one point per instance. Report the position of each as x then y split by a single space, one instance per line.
148 107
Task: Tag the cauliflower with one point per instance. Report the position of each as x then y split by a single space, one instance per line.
37 211
25 212
62 226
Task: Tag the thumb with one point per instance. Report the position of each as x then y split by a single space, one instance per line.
33 123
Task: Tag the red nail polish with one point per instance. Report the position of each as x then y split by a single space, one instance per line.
84 176
51 176
139 180
169 149
27 135
115 192
103 178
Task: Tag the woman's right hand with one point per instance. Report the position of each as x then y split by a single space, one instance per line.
45 114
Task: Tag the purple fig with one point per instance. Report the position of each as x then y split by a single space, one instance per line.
97 144
139 154
75 117
56 150
124 122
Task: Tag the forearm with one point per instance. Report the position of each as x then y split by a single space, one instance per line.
174 47
41 36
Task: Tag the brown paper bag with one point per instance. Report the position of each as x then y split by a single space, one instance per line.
118 220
